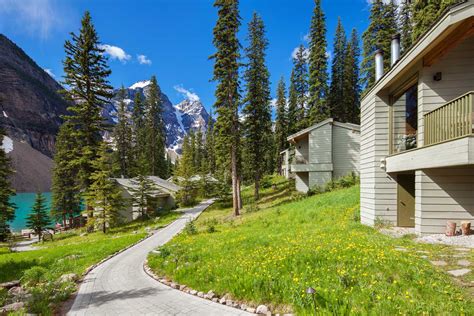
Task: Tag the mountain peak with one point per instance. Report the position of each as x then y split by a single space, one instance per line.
140 84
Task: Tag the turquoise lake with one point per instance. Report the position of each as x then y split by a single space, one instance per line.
24 202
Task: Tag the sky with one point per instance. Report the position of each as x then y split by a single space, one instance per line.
171 39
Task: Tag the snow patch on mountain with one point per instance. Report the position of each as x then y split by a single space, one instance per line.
5 114
7 145
140 84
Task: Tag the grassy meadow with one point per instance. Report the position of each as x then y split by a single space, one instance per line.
287 242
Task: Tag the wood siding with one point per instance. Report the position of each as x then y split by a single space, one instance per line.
378 191
442 195
346 151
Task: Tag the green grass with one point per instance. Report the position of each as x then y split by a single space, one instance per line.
288 243
72 253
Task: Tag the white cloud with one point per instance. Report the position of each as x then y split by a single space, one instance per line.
115 52
306 37
38 17
295 51
143 60
187 93
328 55
49 72
273 103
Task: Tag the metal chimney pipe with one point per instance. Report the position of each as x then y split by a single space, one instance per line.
378 64
395 49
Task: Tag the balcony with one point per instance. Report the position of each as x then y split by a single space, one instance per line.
450 121
448 139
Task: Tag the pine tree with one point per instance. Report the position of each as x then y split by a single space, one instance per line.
426 12
300 86
209 146
226 74
123 137
86 73
257 111
143 188
318 76
104 195
7 208
38 218
155 131
336 102
406 24
382 27
293 125
66 202
281 123
139 136
351 88
199 152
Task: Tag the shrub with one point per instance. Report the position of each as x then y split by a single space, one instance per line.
266 182
34 276
190 228
187 196
211 225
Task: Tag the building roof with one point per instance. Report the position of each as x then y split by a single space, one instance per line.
194 178
162 187
449 27
321 124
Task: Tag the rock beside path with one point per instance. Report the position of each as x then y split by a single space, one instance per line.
12 307
459 272
9 285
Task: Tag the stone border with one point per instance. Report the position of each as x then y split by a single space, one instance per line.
211 296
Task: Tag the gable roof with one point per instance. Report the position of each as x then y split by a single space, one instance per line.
321 124
445 26
162 187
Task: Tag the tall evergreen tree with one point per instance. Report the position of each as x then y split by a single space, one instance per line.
7 208
155 131
351 88
426 12
406 24
293 125
66 202
382 27
86 72
38 218
226 74
104 195
336 103
257 111
142 190
123 137
139 139
318 76
300 86
281 123
209 146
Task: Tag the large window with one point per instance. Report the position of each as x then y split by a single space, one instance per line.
404 125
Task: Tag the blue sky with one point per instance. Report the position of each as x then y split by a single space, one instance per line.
169 38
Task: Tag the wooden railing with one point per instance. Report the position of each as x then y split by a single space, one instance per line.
300 160
450 121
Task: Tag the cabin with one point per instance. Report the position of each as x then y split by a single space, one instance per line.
417 142
163 196
325 151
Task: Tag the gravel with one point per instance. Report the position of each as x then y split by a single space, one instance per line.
461 241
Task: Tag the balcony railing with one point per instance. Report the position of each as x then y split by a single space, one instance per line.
450 121
300 160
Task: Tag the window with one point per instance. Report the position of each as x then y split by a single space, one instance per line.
404 125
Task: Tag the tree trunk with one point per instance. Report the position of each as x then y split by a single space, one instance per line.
235 182
256 194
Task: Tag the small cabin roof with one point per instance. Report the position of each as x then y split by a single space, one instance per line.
305 131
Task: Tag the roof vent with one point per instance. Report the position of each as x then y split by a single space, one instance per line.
395 49
378 64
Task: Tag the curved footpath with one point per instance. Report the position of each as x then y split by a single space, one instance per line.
120 286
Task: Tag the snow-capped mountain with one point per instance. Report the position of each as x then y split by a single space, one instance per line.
179 119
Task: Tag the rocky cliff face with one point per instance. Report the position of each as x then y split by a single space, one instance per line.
179 119
30 106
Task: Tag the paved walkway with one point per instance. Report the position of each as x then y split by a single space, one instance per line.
25 245
120 286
